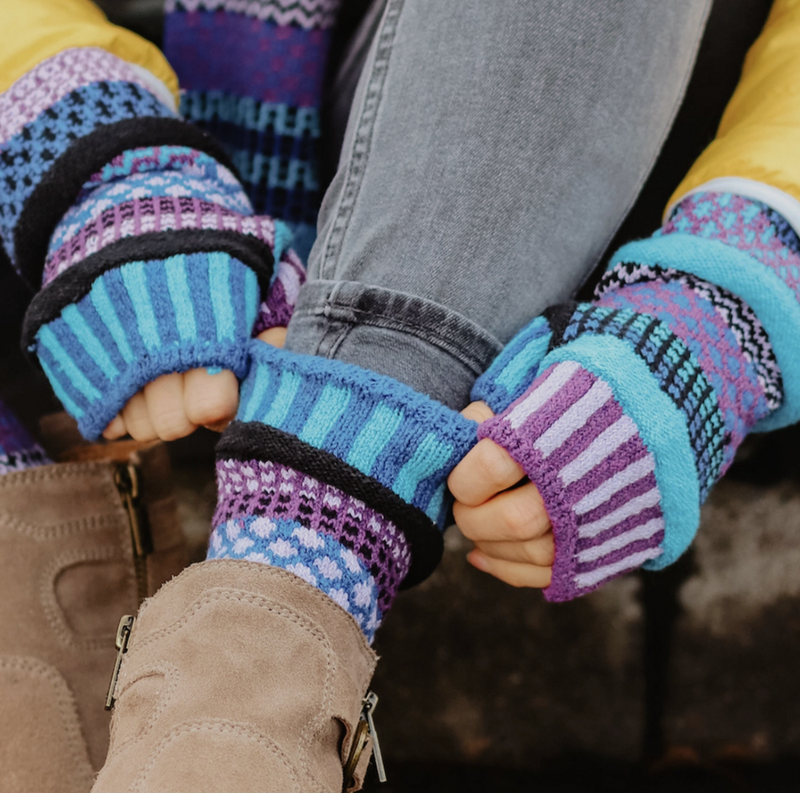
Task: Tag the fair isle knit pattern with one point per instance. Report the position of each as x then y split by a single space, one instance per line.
596 476
144 319
55 78
18 450
703 347
273 514
677 371
27 156
733 312
260 94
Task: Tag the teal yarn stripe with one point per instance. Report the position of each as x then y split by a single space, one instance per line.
525 364
290 385
374 435
105 310
251 298
135 280
48 340
430 456
219 280
74 319
327 410
180 296
62 395
260 382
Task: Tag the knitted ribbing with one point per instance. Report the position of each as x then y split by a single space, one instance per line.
684 367
339 475
260 94
17 449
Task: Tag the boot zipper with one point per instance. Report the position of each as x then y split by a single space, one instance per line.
123 635
364 730
128 483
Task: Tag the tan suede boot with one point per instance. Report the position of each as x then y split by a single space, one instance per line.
78 548
238 678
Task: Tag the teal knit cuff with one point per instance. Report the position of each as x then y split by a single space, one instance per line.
142 320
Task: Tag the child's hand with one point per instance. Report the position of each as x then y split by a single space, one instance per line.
175 405
510 528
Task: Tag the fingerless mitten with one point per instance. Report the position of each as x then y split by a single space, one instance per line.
624 412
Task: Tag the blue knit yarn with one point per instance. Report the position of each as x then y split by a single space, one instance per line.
312 555
513 370
403 439
27 156
142 320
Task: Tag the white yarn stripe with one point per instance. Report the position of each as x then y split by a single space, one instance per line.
633 507
559 377
602 447
628 563
643 532
633 473
305 13
574 418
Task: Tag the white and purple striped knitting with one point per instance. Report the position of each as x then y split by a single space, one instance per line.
626 411
338 475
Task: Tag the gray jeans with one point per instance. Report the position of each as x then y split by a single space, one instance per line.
493 148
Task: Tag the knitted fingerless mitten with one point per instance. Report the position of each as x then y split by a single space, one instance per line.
259 95
624 412
146 245
17 449
338 475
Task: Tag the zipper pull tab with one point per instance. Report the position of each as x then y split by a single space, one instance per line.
123 635
370 703
126 478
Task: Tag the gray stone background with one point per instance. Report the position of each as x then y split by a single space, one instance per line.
684 680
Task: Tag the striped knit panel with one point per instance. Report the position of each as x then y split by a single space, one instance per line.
36 131
148 190
585 455
277 308
143 319
733 312
260 95
692 318
677 371
18 450
272 514
404 440
512 372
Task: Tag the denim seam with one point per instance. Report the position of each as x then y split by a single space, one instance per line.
349 317
362 140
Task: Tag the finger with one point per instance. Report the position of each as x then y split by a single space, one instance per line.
274 336
115 429
164 398
137 419
514 573
210 400
517 515
540 552
477 411
486 470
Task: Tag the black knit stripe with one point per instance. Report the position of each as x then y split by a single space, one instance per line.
559 318
62 183
75 283
256 441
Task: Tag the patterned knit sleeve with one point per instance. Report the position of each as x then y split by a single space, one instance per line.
625 411
131 223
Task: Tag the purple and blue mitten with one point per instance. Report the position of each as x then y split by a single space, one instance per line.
146 247
338 475
18 450
624 412
259 94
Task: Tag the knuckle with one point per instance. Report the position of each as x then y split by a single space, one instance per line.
517 519
496 464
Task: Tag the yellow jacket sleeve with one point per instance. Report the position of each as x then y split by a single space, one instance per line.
34 30
759 134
